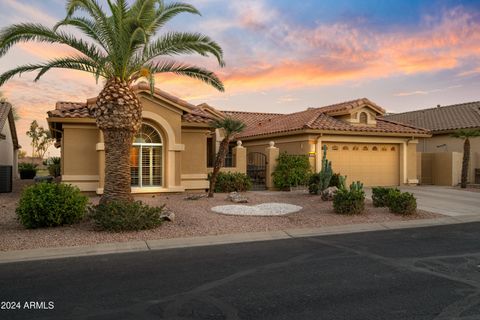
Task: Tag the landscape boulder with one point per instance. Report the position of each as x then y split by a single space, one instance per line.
237 197
329 193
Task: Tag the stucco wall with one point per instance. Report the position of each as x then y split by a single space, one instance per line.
80 158
435 145
6 147
441 168
195 154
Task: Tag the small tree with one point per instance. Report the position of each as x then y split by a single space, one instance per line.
466 134
41 139
230 127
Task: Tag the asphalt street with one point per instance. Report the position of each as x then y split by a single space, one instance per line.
423 273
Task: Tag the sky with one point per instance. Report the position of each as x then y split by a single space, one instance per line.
285 56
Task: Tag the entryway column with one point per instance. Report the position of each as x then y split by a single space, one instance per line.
100 147
240 156
272 153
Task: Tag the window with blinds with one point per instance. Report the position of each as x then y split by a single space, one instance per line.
146 158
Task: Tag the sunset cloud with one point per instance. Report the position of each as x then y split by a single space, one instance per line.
278 51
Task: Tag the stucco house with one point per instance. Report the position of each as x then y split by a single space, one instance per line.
176 145
441 155
8 138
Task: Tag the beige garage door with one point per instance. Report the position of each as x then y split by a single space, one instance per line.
372 164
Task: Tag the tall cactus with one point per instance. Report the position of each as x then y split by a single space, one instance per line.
326 173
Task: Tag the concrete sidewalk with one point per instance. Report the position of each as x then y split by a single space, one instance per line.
162 244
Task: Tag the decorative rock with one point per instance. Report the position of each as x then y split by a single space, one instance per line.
48 179
195 196
237 197
329 193
167 215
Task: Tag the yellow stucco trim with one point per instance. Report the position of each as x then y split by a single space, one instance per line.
80 126
333 132
80 178
71 120
158 189
194 176
195 184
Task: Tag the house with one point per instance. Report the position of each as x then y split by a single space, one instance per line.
359 143
176 144
442 154
8 138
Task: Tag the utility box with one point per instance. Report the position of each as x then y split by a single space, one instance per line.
6 179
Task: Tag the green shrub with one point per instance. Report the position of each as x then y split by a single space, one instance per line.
402 203
291 171
53 165
50 205
338 181
27 170
356 186
349 202
126 216
232 181
314 183
380 196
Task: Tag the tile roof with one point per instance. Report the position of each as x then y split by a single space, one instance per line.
251 118
345 107
66 109
319 119
447 118
6 114
259 123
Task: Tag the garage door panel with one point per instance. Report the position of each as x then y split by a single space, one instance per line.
372 164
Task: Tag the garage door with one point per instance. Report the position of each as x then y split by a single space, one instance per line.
372 164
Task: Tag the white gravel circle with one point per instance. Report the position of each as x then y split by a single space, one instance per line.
264 209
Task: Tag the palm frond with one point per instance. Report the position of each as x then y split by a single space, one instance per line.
26 32
187 70
175 43
166 12
87 26
73 63
466 133
230 125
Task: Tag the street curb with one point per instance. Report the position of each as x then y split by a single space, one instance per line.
163 244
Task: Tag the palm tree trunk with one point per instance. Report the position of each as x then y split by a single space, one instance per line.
117 165
218 164
465 162
118 115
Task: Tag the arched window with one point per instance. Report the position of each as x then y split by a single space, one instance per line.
146 158
363 117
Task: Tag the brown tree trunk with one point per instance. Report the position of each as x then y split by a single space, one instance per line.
119 115
222 152
465 162
117 165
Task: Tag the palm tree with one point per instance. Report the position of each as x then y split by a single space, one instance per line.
230 128
119 47
466 134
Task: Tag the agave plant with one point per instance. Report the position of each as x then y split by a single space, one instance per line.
120 45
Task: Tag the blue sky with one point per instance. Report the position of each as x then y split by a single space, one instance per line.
284 56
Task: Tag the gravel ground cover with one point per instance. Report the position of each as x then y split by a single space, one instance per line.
193 218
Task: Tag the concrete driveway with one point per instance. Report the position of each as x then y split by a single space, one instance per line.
444 200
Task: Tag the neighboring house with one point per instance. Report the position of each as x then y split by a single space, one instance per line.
442 154
172 151
8 138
